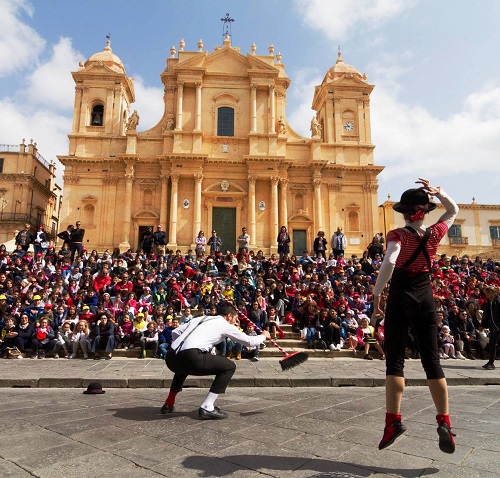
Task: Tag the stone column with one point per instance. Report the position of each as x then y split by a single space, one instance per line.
253 119
252 223
197 126
272 99
172 233
334 217
180 91
163 200
198 179
283 216
361 121
317 201
274 213
127 210
367 121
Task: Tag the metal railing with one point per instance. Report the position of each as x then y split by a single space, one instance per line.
463 241
16 148
10 148
22 219
495 242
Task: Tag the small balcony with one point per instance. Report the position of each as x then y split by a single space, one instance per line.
459 241
495 242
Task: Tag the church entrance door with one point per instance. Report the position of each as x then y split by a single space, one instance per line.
224 222
299 241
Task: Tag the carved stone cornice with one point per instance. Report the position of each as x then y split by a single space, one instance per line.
110 180
370 187
71 179
334 186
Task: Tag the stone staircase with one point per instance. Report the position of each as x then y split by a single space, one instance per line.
291 343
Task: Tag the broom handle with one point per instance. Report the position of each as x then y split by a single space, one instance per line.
281 349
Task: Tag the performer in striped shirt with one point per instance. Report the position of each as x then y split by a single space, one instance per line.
410 251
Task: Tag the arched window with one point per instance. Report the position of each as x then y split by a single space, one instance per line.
97 115
353 221
225 121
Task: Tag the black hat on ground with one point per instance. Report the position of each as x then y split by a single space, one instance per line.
414 199
94 388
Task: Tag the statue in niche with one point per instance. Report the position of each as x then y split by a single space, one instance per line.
133 121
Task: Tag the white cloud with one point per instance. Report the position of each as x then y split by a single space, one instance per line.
301 93
47 128
336 20
148 103
410 140
20 45
51 83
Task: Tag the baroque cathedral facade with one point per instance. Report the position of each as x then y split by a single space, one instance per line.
223 155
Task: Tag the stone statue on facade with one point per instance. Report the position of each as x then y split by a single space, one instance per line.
133 121
281 125
169 123
315 127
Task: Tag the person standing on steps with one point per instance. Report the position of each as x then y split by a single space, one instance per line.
411 302
189 354
76 241
491 321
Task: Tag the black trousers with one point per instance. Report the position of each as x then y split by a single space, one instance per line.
411 302
196 362
492 344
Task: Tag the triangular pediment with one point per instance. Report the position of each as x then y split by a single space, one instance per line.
145 214
227 61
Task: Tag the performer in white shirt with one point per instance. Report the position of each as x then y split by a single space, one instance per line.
190 355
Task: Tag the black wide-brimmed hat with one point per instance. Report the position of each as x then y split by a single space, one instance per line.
94 388
413 200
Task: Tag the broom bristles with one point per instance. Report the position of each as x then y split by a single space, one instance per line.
292 360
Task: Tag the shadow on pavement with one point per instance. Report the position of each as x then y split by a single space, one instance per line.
145 414
211 466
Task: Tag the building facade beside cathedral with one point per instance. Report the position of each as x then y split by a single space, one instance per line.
222 157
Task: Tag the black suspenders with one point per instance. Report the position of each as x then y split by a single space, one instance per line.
422 241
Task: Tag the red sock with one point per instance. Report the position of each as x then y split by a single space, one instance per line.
443 419
390 418
170 400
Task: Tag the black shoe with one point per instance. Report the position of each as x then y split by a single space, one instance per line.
215 414
489 366
167 409
446 440
471 357
391 433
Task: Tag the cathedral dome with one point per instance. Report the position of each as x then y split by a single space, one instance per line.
107 57
340 69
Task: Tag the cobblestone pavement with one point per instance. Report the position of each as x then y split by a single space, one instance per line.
271 432
152 373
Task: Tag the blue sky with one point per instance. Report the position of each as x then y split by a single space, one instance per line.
434 63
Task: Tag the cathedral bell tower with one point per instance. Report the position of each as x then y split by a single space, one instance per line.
103 94
342 103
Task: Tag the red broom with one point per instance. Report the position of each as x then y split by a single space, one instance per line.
290 360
